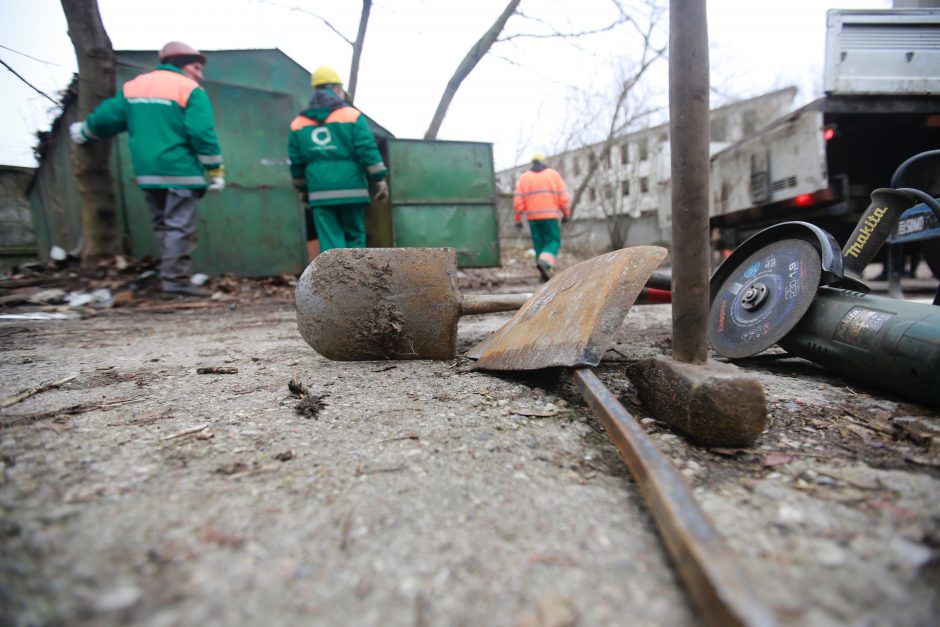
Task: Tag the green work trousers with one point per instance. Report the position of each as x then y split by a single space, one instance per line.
546 240
341 226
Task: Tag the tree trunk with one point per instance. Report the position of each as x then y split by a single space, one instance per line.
357 49
477 52
91 162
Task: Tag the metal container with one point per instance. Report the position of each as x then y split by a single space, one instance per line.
443 194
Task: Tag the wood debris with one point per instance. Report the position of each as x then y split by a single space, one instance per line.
185 432
80 408
217 370
310 404
22 396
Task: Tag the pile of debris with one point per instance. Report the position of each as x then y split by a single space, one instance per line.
65 289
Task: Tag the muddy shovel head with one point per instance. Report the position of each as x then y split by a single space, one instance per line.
380 303
572 320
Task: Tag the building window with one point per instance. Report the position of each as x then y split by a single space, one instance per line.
592 195
607 157
749 122
644 185
608 192
624 154
576 165
644 149
719 129
625 188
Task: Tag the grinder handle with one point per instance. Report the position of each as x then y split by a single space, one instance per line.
873 229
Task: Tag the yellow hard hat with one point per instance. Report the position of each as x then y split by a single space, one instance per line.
324 75
537 156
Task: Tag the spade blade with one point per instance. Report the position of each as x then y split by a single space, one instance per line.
572 319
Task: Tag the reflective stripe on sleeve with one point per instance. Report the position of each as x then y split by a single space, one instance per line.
210 159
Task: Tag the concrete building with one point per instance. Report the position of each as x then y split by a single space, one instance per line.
625 192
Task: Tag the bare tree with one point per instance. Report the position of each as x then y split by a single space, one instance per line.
620 115
493 36
91 162
357 49
476 53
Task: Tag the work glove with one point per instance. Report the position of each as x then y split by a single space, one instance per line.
518 226
381 190
565 219
217 184
75 130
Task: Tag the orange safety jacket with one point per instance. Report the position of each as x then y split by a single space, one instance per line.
541 196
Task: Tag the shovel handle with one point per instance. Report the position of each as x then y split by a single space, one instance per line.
660 280
491 303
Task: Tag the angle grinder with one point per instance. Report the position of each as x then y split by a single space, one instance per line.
791 285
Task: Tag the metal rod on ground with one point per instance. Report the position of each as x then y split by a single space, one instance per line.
717 587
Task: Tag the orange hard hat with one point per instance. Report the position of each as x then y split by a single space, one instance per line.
179 49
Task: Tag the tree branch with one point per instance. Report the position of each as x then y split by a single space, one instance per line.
34 88
357 49
469 62
310 13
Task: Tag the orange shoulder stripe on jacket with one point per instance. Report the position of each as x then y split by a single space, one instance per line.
344 114
161 85
301 121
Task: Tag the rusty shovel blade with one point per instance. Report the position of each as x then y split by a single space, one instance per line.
572 319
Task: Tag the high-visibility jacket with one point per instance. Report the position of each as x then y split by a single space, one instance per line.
541 195
332 152
170 128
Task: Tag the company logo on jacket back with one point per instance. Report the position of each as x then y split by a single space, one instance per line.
322 137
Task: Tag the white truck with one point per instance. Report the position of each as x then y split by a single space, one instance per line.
820 163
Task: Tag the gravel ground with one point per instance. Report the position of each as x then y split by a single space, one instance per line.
424 492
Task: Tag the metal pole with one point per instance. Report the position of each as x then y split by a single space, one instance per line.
689 134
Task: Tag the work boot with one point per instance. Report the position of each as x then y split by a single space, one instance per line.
545 272
174 289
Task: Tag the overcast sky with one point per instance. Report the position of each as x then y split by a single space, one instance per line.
515 98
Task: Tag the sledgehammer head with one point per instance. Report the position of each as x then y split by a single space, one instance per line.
714 404
380 303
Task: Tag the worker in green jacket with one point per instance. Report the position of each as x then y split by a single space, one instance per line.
174 150
332 157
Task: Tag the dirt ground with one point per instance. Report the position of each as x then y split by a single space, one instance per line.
280 488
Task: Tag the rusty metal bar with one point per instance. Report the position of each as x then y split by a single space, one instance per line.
717 587
689 129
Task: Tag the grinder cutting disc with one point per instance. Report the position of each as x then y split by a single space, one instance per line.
761 299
